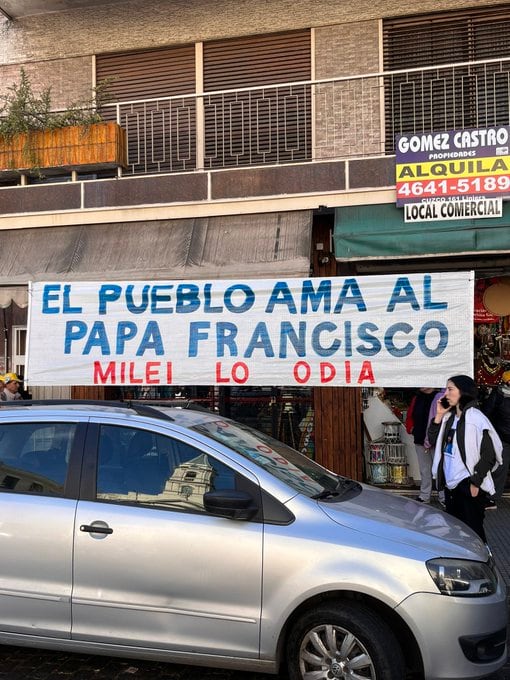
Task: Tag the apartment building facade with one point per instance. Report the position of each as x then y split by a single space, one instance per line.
260 143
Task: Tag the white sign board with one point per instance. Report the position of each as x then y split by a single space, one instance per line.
477 208
388 330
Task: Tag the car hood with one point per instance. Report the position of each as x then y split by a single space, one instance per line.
403 520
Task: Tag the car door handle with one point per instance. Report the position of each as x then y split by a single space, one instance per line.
94 529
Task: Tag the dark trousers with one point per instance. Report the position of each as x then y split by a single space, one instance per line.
462 505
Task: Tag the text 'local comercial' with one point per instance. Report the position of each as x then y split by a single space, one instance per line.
429 211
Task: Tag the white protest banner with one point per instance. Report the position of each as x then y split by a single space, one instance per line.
389 330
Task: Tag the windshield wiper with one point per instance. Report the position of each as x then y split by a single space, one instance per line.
326 493
342 486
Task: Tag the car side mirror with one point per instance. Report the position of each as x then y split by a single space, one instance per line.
230 504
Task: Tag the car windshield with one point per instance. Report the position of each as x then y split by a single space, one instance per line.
298 471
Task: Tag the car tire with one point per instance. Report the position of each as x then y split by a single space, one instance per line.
341 639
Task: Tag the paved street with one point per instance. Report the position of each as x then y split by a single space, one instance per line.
25 664
497 526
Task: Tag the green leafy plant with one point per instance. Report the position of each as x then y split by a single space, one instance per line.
24 112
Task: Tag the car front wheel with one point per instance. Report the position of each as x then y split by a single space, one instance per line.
343 640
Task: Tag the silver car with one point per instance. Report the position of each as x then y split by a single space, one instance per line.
177 535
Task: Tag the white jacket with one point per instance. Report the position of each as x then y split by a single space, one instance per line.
475 422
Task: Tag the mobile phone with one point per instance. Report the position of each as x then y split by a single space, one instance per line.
444 402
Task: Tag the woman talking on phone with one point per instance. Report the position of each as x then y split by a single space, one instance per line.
467 448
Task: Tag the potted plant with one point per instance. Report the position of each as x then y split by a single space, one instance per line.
34 138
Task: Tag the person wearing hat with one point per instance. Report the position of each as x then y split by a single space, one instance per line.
497 409
11 388
467 448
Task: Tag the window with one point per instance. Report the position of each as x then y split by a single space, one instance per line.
34 457
264 125
19 349
447 97
164 119
186 491
159 115
138 466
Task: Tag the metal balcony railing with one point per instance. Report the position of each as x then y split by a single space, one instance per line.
332 118
329 119
459 96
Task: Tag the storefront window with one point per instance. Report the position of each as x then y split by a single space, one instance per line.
285 413
491 330
389 451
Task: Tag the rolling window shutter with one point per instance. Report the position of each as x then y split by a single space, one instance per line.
265 125
148 74
161 135
257 60
449 97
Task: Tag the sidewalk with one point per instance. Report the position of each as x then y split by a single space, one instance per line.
497 528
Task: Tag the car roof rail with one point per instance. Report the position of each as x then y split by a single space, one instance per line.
139 408
175 403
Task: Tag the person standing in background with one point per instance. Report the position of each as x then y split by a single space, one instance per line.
417 422
497 409
11 388
428 445
467 449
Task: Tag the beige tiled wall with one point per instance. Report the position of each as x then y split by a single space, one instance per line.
139 24
347 112
70 79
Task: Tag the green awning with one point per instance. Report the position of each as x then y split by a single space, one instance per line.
378 231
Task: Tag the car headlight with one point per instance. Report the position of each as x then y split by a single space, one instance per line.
463 578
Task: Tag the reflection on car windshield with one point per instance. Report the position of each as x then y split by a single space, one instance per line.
292 467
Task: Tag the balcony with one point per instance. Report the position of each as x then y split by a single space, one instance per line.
342 118
332 135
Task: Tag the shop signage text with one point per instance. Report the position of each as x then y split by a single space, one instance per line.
429 211
372 330
455 163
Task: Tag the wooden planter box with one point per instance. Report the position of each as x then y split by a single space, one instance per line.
84 148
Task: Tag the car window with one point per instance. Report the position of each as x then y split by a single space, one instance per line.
138 466
34 457
298 471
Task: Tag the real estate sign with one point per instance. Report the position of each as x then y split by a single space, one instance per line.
453 165
391 330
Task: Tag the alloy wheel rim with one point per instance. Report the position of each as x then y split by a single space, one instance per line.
331 652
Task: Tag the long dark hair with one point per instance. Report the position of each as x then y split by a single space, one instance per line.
468 390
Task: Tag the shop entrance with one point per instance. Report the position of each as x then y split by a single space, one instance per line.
389 453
